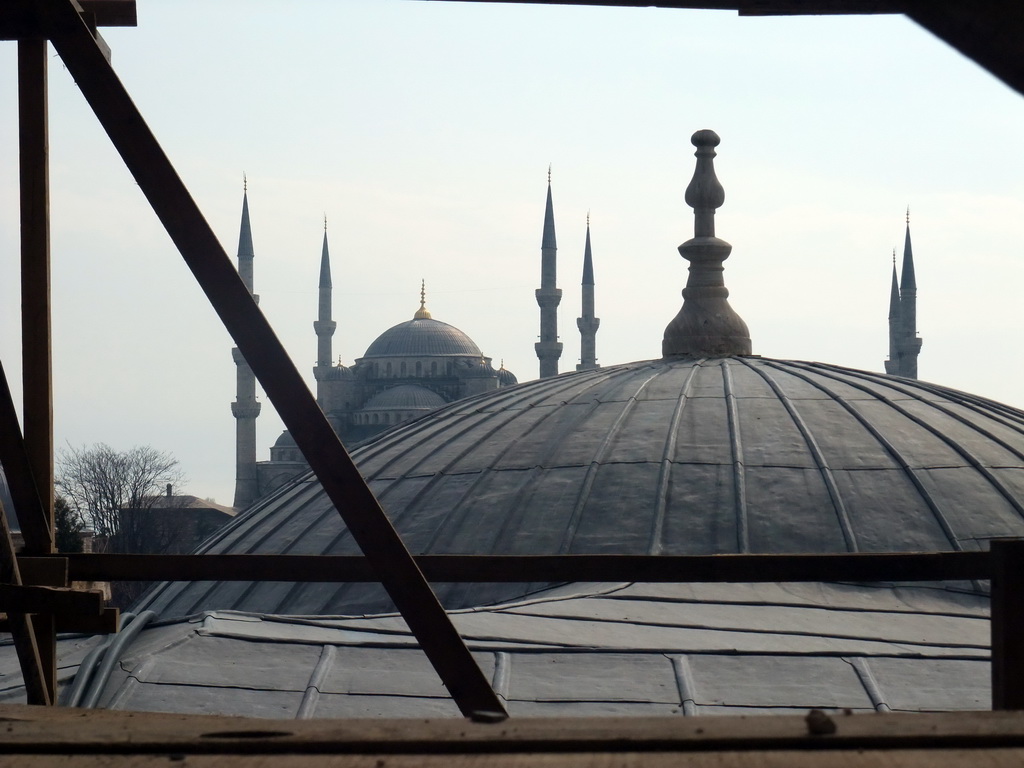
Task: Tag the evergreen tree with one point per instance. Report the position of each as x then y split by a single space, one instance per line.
67 525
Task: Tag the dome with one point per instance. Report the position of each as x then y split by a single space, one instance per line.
422 337
404 397
506 378
285 440
673 456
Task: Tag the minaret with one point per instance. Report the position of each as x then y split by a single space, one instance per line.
588 324
911 346
895 327
246 408
549 348
324 325
706 325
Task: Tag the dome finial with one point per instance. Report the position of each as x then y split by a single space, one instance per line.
325 222
706 324
549 173
422 313
908 214
245 183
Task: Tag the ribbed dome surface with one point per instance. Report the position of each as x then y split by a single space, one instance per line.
422 337
404 396
738 454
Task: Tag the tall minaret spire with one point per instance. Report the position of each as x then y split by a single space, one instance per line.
908 310
549 348
587 323
904 343
324 325
246 407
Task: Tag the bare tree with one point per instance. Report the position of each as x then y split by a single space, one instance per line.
114 491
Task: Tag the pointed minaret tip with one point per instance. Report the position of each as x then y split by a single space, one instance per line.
325 261
706 325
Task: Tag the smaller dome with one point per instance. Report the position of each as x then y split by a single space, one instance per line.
404 397
285 440
505 377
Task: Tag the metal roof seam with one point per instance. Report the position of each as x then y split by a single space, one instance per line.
839 506
655 539
738 473
891 449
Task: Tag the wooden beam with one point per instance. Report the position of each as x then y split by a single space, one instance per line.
1007 557
106 623
36 367
21 598
14 458
933 566
313 434
112 13
44 571
989 33
34 672
21 20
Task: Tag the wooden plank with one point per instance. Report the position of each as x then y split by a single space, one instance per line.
112 13
988 33
20 20
20 598
36 366
933 566
954 758
15 461
62 731
22 627
1007 557
107 623
44 571
266 356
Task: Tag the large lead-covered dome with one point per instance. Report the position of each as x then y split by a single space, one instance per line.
421 337
726 455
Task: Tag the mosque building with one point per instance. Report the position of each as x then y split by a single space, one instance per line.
710 449
409 370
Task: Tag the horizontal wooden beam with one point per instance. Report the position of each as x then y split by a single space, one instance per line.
43 571
26 599
106 623
26 19
931 566
112 13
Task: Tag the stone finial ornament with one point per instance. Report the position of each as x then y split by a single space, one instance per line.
706 325
422 313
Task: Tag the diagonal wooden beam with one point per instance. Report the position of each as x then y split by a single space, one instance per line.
18 471
266 356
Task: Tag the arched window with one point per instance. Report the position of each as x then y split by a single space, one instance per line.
387 370
376 418
403 369
419 369
433 368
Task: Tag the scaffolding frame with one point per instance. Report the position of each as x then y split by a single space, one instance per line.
34 590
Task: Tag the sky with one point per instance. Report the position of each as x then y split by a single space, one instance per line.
424 132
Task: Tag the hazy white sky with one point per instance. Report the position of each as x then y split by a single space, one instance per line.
424 132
